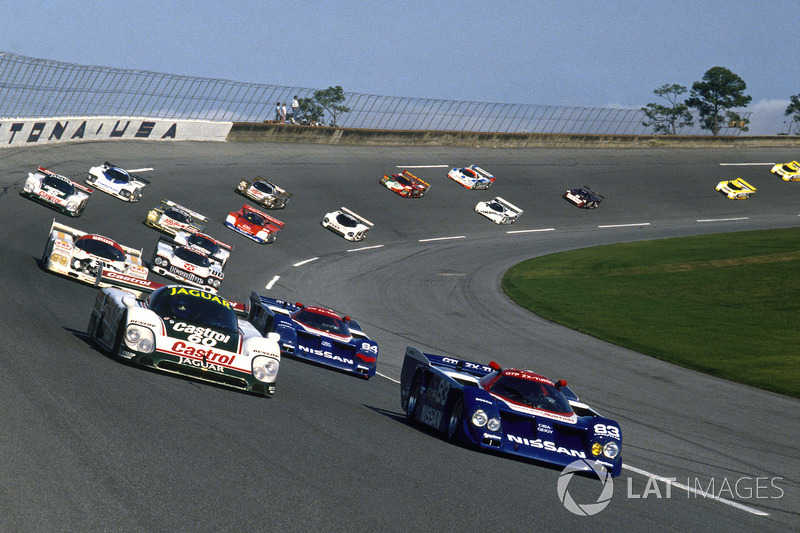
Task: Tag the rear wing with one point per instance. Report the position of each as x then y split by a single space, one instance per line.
77 185
508 205
357 217
274 220
194 214
482 172
415 179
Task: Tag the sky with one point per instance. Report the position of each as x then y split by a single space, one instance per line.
567 52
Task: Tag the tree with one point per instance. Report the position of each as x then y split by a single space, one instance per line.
720 91
793 110
668 119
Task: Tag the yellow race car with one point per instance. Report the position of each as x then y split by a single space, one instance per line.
787 171
737 189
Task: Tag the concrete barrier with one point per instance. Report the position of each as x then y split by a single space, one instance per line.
273 132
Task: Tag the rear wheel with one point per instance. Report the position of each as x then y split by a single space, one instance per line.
413 396
454 421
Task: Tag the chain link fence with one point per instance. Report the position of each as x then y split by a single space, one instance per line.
40 88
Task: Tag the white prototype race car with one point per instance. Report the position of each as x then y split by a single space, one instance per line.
186 264
171 218
264 192
216 250
499 211
117 182
189 332
85 257
471 177
347 224
56 191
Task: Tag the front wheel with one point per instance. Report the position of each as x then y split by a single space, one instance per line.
454 422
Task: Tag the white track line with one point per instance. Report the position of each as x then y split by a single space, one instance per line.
531 230
301 263
745 164
700 493
443 238
722 219
272 282
365 248
624 225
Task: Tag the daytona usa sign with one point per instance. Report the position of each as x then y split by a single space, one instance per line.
27 132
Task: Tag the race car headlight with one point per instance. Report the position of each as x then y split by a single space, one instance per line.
140 339
479 418
610 450
265 368
493 424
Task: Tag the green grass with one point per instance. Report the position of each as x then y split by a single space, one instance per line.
725 304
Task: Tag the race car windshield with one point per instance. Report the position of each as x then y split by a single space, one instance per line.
190 256
203 242
263 187
254 219
195 306
178 216
99 248
346 221
322 322
62 186
532 393
117 175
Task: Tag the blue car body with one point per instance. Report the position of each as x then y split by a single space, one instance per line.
463 400
316 334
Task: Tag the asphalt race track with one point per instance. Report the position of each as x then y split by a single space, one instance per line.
92 444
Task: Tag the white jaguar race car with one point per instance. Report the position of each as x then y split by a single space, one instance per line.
117 182
347 224
186 264
85 257
189 332
264 192
56 191
499 211
171 218
471 177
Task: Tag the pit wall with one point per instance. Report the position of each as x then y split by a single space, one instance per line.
273 132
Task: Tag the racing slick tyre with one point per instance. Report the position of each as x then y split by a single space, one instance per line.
413 396
454 420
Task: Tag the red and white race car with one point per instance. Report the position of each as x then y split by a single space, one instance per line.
254 224
56 191
85 257
405 184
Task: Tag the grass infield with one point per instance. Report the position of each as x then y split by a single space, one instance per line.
725 304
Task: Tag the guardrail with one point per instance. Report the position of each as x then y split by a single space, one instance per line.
33 88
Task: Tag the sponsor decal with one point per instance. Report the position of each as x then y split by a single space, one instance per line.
545 445
200 294
208 355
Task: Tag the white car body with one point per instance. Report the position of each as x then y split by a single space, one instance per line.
264 192
471 177
186 264
66 253
56 191
216 250
347 224
499 211
171 218
129 329
117 182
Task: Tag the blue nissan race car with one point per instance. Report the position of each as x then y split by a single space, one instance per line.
508 411
315 334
